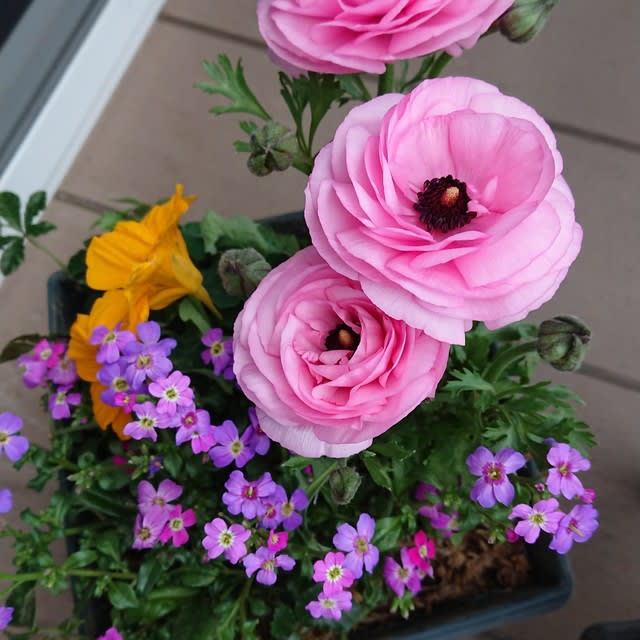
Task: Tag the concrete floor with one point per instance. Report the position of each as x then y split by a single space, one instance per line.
581 74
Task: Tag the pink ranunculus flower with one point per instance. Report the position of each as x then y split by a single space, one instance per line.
327 370
338 36
447 204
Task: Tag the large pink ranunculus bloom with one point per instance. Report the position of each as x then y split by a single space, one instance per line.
327 370
448 206
349 36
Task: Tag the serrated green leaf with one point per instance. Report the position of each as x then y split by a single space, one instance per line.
122 595
467 380
10 210
12 256
36 203
40 228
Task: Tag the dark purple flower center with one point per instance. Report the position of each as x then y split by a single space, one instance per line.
493 472
442 204
564 469
342 337
189 420
249 492
573 527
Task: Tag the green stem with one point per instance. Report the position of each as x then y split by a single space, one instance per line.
317 483
243 604
94 573
438 66
507 358
46 251
385 80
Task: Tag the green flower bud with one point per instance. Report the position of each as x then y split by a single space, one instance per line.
343 484
241 270
273 148
525 19
562 342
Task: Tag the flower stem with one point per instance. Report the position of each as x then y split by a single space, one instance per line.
507 358
46 251
438 66
317 483
385 80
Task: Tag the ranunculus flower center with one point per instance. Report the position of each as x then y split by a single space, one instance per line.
342 337
442 204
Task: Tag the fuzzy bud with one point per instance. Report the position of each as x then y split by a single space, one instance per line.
273 148
343 484
562 342
241 270
525 19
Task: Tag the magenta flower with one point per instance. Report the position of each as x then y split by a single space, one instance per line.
111 634
34 371
173 392
566 461
149 419
148 358
542 516
111 343
423 552
260 441
177 525
577 526
332 572
60 403
219 353
246 496
588 496
158 501
230 447
49 353
493 484
64 372
289 515
330 606
511 535
221 539
6 501
447 523
125 399
277 540
147 529
357 543
266 563
13 446
6 613
195 427
401 577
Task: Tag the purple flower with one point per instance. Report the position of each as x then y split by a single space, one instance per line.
34 371
288 508
158 501
149 419
230 447
60 403
48 353
330 606
246 496
6 613
271 517
542 516
332 572
277 540
398 577
173 392
64 372
147 530
13 446
112 376
111 634
177 524
148 358
565 461
266 562
438 519
6 501
357 543
221 539
155 465
195 427
493 483
577 526
111 341
259 441
219 352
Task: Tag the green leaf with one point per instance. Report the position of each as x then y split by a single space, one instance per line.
40 228
391 450
10 210
19 346
378 473
149 573
122 595
388 531
80 559
195 576
197 620
109 543
283 623
107 221
231 84
12 256
23 602
172 462
191 310
36 203
297 462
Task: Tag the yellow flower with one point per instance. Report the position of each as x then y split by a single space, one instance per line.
147 259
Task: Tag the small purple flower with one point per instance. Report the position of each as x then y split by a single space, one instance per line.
230 447
588 496
60 403
493 484
289 515
195 427
13 446
542 516
147 530
173 392
148 358
158 501
266 562
176 527
6 613
332 572
272 517
155 465
398 577
34 371
6 501
149 419
64 372
47 352
330 606
246 496
259 441
221 539
111 634
219 352
565 462
577 526
357 543
111 343
112 376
